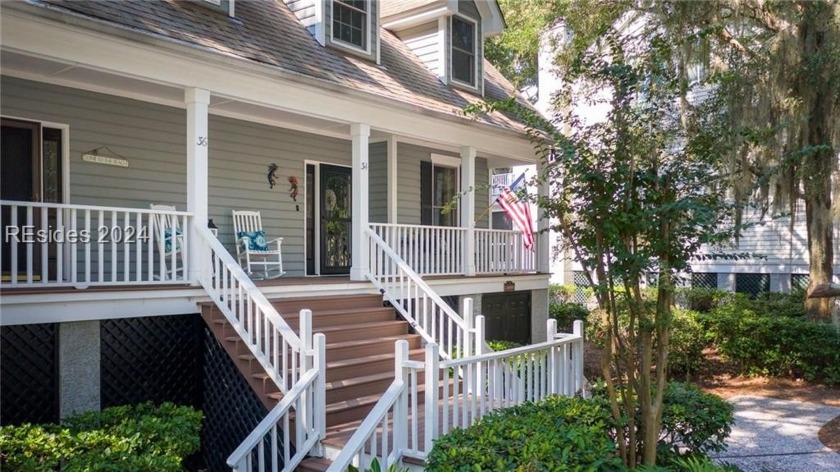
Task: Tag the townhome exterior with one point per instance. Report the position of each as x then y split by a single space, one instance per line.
341 122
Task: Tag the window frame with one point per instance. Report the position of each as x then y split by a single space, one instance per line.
456 210
475 52
366 33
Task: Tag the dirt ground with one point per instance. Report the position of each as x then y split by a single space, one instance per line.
720 378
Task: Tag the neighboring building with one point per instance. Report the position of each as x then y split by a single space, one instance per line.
777 250
340 121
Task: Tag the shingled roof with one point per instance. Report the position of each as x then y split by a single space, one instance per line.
267 32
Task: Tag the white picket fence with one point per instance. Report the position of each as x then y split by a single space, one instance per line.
54 244
459 392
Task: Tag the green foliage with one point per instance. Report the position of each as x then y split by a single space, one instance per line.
559 434
688 339
498 345
566 314
123 438
703 300
693 420
560 294
771 336
376 467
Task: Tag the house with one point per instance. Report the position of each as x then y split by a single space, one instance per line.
771 255
342 123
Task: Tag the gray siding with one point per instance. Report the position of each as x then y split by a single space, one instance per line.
378 160
423 40
240 153
408 178
152 138
482 192
373 34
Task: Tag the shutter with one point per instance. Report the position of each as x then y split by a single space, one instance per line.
425 193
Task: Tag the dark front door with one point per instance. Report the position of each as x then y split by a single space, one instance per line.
20 152
335 191
507 316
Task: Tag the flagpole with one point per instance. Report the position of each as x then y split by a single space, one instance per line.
483 213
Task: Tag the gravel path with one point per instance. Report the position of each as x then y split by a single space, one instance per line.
772 435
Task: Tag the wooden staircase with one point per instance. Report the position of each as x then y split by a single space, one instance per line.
360 335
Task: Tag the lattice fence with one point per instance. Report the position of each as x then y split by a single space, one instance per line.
704 280
29 374
231 408
752 284
799 281
582 295
154 358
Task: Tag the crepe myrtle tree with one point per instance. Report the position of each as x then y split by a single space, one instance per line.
636 192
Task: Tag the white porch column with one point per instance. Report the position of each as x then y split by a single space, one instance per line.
543 238
197 101
392 180
360 134
468 207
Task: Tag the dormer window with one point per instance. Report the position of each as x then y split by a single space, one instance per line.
464 50
351 22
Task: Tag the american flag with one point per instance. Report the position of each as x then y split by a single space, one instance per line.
518 212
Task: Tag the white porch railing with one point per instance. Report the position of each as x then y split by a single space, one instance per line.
428 314
54 244
502 251
458 392
428 250
296 364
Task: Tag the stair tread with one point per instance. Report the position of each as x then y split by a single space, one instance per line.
361 342
346 311
372 324
359 380
368 359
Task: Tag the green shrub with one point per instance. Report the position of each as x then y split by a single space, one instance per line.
560 433
694 423
703 300
559 294
124 438
499 345
782 346
566 314
687 340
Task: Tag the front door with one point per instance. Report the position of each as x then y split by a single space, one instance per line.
335 192
30 159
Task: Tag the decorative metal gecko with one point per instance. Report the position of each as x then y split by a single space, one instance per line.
272 178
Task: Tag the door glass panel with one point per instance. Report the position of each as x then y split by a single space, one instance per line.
310 219
336 209
445 187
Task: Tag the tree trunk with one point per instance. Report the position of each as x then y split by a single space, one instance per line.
815 89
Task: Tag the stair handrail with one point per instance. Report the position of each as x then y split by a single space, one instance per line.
309 427
268 336
435 330
363 447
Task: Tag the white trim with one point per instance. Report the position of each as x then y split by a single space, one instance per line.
65 153
320 27
410 21
344 44
443 54
476 53
360 132
448 161
492 21
392 179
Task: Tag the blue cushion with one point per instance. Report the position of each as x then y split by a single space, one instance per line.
167 240
256 240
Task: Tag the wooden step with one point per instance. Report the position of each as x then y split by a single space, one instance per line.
369 347
368 365
358 386
379 329
314 464
322 319
316 304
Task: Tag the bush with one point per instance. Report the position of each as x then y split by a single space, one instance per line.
560 294
498 345
688 339
694 423
124 438
566 314
560 433
703 300
777 345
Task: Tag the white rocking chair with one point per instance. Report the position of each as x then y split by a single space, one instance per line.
166 230
253 248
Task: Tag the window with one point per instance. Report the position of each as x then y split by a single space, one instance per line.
350 22
438 187
464 51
